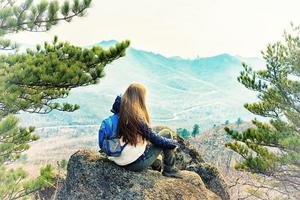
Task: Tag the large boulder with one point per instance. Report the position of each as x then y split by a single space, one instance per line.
92 176
189 158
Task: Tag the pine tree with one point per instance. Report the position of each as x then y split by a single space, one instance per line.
27 16
239 121
273 148
227 122
33 80
196 130
183 132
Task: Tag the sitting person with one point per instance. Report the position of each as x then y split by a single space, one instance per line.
142 146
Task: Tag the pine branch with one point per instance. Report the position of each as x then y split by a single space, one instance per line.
40 20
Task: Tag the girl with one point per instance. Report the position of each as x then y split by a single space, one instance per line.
143 146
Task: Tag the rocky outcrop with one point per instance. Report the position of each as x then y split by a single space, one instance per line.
189 158
92 176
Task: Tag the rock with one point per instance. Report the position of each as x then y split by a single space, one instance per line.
189 158
212 179
92 176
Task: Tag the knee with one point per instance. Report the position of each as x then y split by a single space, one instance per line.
166 133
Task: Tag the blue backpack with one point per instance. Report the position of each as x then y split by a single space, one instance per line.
109 142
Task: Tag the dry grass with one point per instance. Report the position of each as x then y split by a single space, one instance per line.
58 146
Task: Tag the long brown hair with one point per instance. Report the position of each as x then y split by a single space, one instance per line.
133 113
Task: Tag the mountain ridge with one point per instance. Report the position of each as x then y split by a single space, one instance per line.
108 43
175 85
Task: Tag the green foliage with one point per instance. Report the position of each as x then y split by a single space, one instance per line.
182 132
13 139
273 148
63 164
10 181
50 72
226 122
13 183
196 130
239 121
33 80
36 17
45 179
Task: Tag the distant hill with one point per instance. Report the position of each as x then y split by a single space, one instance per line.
182 92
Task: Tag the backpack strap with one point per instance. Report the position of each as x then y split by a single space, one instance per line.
114 153
122 147
101 138
108 149
114 121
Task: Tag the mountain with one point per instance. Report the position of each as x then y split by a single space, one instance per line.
181 92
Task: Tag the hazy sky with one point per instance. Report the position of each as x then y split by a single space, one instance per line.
184 28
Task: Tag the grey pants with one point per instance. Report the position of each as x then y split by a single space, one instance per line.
151 153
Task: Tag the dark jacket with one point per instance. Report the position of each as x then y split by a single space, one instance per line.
162 142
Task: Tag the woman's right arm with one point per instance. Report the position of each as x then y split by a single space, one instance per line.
157 140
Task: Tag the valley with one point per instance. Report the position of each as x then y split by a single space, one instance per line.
181 92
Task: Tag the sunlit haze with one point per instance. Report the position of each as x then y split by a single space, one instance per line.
187 28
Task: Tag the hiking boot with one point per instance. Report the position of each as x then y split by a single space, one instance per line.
174 173
157 165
